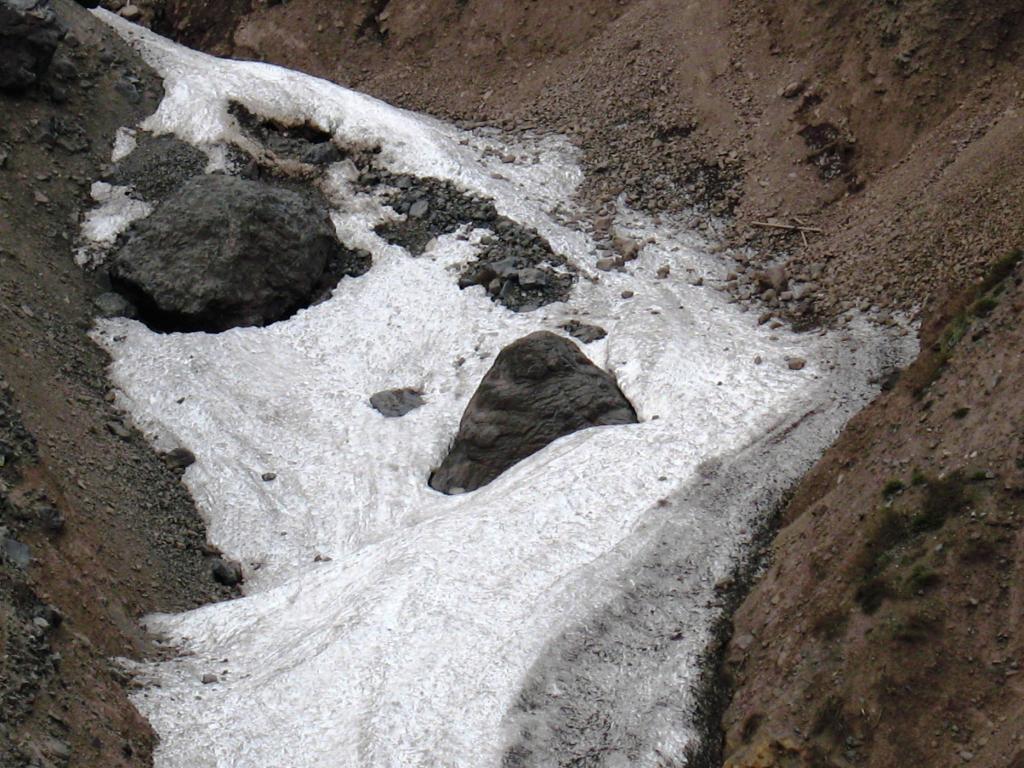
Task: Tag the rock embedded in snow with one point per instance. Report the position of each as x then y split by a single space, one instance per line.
29 35
585 332
540 388
111 304
158 166
419 209
302 142
227 572
224 252
516 265
394 403
180 458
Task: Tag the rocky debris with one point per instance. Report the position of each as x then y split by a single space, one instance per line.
832 152
519 270
16 552
65 133
113 531
431 207
773 278
793 89
540 388
28 661
158 166
778 291
209 678
112 304
268 477
516 266
227 572
51 519
585 332
627 248
304 143
394 403
795 363
119 429
29 35
224 252
180 458
143 12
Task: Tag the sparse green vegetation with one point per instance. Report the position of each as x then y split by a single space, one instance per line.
892 487
750 727
890 530
979 550
953 335
984 307
931 366
872 593
922 578
915 628
918 478
831 720
831 625
942 499
1001 270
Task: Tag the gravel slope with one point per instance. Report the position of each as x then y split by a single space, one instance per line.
111 533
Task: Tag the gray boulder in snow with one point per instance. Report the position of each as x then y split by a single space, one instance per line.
224 252
394 403
540 388
29 34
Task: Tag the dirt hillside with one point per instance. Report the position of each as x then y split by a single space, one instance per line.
96 530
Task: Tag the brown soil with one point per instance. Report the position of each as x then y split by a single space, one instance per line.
131 541
888 629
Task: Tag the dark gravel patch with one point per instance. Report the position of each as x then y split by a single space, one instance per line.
516 265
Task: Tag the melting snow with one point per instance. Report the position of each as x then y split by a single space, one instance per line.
385 624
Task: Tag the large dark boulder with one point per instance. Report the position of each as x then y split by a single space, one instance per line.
29 34
540 388
223 252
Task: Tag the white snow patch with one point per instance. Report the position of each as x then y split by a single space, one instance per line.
124 144
386 624
116 211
